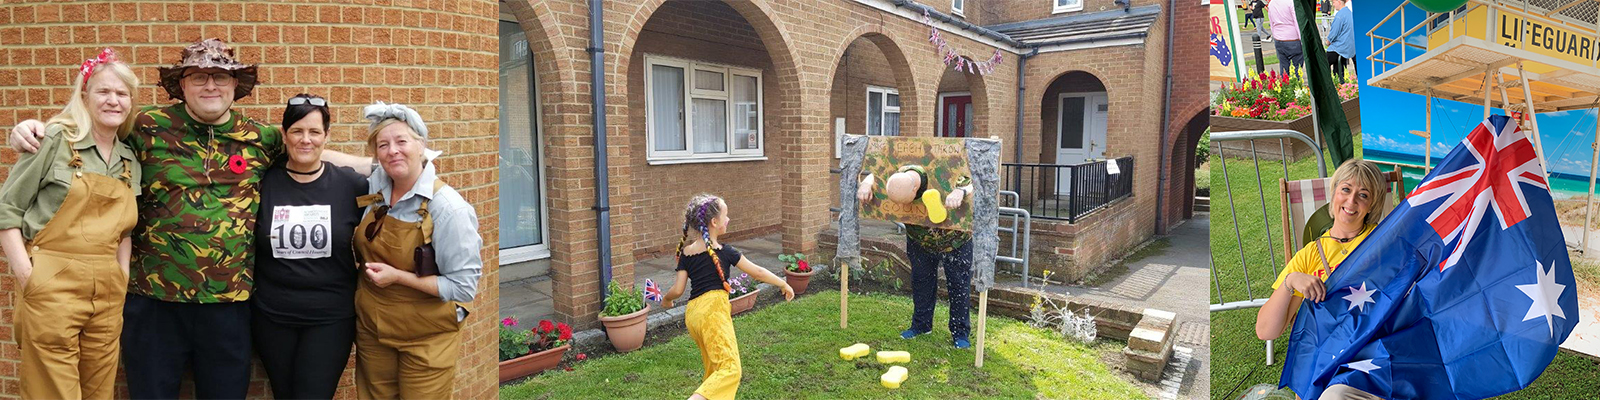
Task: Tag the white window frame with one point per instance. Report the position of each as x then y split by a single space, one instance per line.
541 250
885 92
959 7
1057 8
687 155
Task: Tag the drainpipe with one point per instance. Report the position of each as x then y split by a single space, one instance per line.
602 187
1022 88
1166 124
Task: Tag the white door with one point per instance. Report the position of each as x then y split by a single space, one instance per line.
1080 133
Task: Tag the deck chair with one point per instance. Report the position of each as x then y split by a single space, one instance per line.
1305 215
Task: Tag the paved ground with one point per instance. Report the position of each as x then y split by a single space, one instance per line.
1173 279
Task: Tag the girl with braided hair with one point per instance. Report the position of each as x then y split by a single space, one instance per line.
704 262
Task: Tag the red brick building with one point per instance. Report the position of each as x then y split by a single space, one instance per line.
744 99
437 56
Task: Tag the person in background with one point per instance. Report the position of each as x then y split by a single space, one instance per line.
1341 39
1285 36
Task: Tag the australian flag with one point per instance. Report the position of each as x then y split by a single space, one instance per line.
1463 292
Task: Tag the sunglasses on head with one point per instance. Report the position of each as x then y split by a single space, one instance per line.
312 100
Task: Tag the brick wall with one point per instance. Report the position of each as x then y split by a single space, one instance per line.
1190 100
436 56
709 32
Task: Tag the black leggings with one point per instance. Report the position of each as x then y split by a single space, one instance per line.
303 362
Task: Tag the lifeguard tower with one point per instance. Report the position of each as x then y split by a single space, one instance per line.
1525 57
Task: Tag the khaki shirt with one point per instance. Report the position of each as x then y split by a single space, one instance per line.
38 183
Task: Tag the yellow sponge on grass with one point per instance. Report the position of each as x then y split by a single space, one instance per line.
857 350
888 357
896 375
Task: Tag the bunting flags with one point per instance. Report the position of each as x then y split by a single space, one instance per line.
956 60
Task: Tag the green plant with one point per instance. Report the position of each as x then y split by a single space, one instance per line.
620 301
1273 96
741 285
795 262
516 342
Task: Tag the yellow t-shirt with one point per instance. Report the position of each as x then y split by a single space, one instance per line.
1307 260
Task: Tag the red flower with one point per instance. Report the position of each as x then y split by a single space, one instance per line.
509 322
566 332
236 164
582 356
545 326
803 266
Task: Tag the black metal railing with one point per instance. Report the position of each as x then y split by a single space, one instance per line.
1068 192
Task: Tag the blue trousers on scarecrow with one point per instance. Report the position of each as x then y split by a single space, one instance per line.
929 250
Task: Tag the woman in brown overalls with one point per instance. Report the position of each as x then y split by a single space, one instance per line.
73 204
408 311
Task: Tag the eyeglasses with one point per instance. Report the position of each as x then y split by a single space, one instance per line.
200 78
312 100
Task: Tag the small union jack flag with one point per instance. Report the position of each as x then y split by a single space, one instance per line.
651 291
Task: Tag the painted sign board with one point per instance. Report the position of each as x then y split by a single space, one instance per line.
944 160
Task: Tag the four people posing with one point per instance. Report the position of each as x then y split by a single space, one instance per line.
191 249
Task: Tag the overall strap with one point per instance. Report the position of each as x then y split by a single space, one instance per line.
427 218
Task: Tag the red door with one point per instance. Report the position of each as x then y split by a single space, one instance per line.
955 116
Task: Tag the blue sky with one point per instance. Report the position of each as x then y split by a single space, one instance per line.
1388 116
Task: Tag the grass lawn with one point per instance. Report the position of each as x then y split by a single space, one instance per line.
790 351
1238 358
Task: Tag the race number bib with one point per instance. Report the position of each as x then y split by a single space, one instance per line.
301 232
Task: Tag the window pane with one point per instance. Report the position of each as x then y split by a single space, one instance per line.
891 124
746 113
959 4
874 113
710 126
894 100
666 107
708 80
520 217
967 114
1072 123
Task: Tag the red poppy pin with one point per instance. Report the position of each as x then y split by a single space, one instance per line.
236 164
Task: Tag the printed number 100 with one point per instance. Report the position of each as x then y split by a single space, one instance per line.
297 236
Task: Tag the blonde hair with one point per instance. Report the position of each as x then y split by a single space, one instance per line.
372 133
76 114
1367 175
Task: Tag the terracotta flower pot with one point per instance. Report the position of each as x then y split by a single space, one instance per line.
626 331
531 364
742 303
798 280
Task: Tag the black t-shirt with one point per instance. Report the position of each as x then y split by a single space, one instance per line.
305 267
703 273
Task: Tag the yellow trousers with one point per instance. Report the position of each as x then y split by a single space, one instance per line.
710 322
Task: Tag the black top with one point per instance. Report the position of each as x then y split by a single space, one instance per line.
703 275
305 266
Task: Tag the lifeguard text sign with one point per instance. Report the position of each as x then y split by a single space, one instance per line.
1547 39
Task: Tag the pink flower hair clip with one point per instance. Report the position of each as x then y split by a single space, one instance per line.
89 65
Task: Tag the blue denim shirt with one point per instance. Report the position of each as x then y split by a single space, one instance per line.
1342 34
